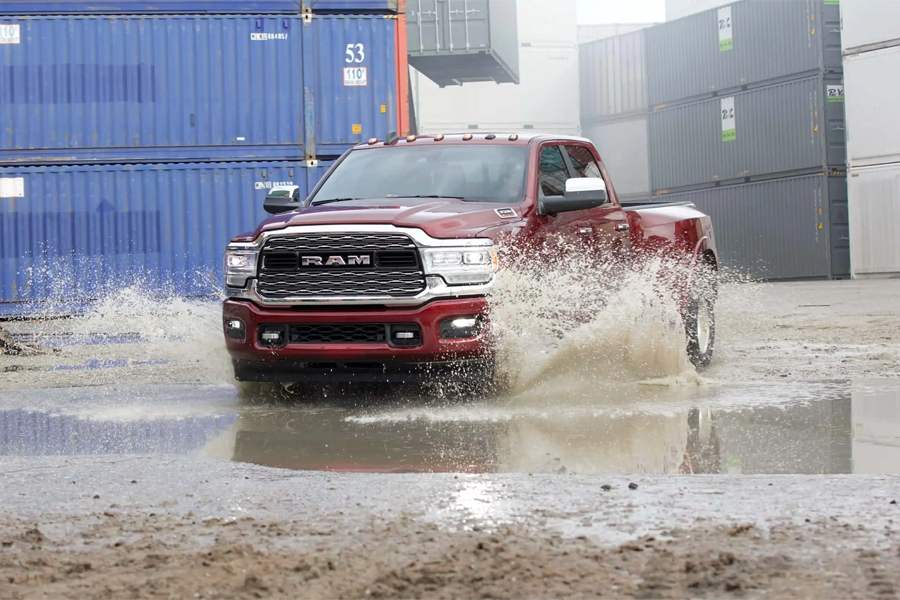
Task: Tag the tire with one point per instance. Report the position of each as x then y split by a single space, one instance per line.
700 327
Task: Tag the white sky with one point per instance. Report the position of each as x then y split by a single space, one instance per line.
600 12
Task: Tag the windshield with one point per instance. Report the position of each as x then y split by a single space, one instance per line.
475 173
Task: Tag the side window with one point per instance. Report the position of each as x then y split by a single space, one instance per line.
553 171
584 162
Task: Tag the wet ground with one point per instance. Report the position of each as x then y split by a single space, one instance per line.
835 427
130 467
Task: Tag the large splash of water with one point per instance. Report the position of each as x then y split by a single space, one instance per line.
573 325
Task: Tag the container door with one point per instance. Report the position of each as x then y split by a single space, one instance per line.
349 81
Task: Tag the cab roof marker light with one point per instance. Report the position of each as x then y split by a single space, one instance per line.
411 138
467 137
439 138
373 141
490 136
513 137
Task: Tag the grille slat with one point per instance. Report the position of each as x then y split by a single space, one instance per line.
281 261
395 272
397 260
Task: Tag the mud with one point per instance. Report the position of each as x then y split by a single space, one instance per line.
246 559
221 531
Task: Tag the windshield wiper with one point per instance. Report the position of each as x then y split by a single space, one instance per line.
332 200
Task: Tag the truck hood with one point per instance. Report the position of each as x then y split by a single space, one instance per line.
438 218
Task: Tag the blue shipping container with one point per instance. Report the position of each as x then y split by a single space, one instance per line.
153 86
61 7
74 233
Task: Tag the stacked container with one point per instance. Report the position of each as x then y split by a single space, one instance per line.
871 44
747 122
137 138
743 94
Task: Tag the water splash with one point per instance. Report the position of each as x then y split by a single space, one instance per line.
576 324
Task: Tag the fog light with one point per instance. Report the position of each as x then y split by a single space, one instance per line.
406 336
234 329
460 328
274 336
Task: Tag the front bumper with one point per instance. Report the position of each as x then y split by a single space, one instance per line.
432 358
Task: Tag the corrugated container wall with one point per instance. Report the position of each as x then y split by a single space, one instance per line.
613 77
778 229
788 127
154 87
592 33
350 81
874 220
759 41
624 148
869 25
151 81
872 93
546 98
70 232
871 41
59 7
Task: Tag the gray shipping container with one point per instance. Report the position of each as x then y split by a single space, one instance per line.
623 147
613 77
794 228
742 44
786 128
458 41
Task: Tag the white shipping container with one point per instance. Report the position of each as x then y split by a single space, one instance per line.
874 214
547 22
872 104
546 99
675 9
624 148
869 24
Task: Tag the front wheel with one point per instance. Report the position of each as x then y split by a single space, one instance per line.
700 327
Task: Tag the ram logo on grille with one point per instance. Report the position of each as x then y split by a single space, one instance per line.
351 260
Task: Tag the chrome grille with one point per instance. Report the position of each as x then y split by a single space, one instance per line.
326 242
285 276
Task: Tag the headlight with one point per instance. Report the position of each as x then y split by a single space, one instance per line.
459 266
240 265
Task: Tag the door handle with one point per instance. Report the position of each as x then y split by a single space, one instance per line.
623 227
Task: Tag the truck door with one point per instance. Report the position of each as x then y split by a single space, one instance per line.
604 228
568 231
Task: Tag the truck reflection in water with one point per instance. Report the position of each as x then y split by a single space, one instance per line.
813 437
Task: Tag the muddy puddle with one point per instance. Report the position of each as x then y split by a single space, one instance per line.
809 428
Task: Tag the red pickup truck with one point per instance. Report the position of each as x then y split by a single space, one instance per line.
383 273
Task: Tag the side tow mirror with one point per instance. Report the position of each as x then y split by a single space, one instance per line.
582 193
282 199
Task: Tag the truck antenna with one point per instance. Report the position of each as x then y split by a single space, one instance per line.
392 138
